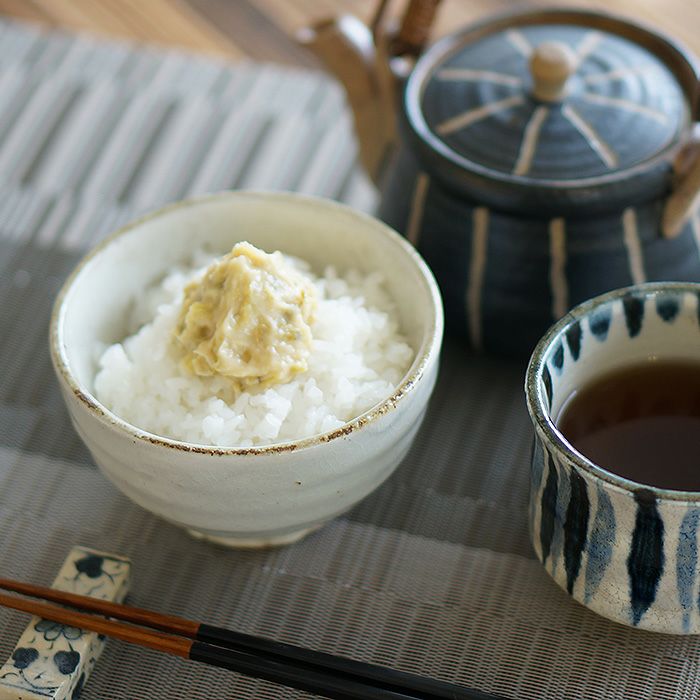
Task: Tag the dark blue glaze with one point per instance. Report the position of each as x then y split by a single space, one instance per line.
537 462
573 339
516 295
54 630
537 466
601 543
667 306
549 509
66 661
575 528
562 152
516 306
595 231
686 563
558 358
600 322
556 554
90 565
24 656
78 690
451 255
645 563
547 379
633 307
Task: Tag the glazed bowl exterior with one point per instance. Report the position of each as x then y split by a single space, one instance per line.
262 495
628 551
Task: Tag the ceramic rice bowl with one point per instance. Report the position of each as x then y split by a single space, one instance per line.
256 496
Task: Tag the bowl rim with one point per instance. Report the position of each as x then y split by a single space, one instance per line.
535 397
425 354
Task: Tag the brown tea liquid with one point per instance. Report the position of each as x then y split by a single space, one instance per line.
641 422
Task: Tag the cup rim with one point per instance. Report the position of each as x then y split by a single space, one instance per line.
425 353
535 397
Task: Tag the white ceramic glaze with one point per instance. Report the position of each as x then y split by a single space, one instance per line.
257 496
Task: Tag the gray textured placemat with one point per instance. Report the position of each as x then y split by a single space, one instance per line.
433 573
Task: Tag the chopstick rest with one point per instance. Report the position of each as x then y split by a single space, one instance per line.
52 660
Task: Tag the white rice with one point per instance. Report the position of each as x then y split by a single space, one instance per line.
358 357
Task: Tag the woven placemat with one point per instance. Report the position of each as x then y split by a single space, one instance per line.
433 573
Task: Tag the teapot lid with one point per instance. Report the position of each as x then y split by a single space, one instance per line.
552 109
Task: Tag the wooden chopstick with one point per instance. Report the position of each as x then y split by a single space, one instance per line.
325 674
137 616
230 639
328 684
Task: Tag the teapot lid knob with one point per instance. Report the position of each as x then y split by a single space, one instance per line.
551 65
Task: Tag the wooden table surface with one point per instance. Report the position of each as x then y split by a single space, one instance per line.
264 29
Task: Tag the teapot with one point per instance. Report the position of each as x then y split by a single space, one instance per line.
534 159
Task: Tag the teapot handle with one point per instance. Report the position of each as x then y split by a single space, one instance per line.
685 196
415 27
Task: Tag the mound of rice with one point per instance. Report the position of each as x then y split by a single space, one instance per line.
358 357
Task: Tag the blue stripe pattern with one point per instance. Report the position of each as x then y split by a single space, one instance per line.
599 322
601 542
548 510
562 504
575 528
558 358
645 564
686 563
536 474
538 458
633 306
667 306
612 567
573 338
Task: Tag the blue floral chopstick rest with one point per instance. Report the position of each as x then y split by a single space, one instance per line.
53 660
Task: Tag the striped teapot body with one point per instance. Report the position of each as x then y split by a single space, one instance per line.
538 168
505 278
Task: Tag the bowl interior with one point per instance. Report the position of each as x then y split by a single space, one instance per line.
626 327
95 304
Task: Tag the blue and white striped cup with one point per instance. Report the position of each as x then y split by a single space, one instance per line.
626 550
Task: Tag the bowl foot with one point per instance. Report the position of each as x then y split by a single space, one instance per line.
255 542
